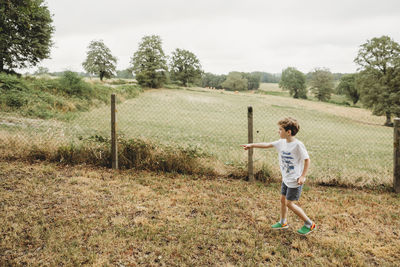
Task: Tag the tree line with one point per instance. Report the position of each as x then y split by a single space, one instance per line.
152 68
376 84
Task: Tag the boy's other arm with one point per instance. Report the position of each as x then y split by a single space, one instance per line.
302 178
257 145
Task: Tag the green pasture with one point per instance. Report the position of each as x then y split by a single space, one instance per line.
346 145
273 89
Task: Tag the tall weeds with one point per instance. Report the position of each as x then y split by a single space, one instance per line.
132 153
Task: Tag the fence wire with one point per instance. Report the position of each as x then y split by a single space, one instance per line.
344 143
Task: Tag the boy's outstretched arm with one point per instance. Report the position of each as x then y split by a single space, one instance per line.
257 145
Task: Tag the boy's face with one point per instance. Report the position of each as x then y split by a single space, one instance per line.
283 133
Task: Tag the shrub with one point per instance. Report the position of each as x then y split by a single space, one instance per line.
12 82
72 84
48 85
14 99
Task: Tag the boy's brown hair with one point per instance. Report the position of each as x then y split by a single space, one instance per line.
290 124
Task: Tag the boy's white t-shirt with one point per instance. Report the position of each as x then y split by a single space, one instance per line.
291 160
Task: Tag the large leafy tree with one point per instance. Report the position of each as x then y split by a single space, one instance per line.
185 67
149 62
379 77
294 81
235 81
99 60
348 87
322 84
25 33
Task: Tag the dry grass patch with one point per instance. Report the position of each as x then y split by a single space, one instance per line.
56 215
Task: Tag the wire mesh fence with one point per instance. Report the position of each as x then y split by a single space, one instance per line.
346 145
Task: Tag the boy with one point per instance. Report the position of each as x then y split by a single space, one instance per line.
294 162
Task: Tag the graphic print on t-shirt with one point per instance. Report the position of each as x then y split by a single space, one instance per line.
287 162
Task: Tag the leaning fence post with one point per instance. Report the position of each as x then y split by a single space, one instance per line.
396 156
250 170
114 149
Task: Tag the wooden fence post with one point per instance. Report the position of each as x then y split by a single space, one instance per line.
250 170
114 148
396 156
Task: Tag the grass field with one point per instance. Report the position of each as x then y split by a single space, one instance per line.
73 216
273 89
347 145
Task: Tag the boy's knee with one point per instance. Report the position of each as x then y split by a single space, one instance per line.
289 204
283 199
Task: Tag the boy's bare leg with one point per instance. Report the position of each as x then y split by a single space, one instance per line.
297 210
284 208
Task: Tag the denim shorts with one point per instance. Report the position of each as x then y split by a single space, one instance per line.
291 194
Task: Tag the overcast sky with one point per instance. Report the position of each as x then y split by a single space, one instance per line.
226 35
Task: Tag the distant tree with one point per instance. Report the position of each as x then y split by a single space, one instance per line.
25 33
253 80
149 62
337 76
294 81
185 67
41 71
348 87
125 74
266 77
379 77
99 60
235 82
212 80
207 79
322 84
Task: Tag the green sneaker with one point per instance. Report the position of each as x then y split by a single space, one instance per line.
305 230
279 226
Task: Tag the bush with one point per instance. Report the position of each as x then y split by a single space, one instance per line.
73 84
48 85
14 99
12 82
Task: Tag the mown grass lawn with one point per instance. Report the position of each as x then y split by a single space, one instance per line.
58 215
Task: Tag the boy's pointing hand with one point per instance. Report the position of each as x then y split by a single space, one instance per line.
246 147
